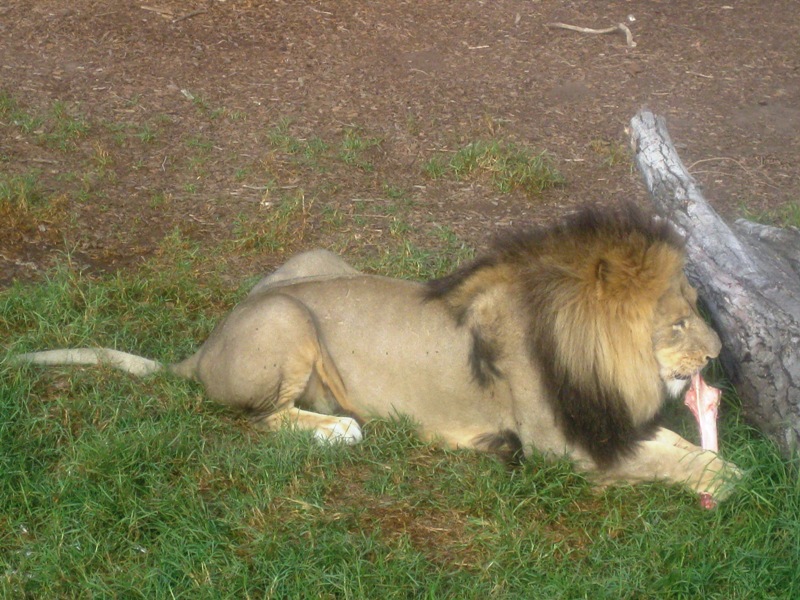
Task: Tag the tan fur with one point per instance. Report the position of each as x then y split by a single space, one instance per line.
564 341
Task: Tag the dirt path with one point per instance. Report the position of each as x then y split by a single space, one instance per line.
123 122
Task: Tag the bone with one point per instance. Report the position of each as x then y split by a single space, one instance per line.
703 400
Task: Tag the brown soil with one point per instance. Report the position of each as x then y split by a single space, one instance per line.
203 83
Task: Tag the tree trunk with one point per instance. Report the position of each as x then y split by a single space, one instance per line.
747 278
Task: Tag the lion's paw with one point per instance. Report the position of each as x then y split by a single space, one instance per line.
339 430
725 481
718 481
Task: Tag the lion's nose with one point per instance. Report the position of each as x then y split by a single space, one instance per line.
709 347
715 350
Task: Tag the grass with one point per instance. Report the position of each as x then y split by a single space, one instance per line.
26 205
351 148
10 110
787 215
285 227
21 192
60 127
96 156
112 487
146 159
65 128
147 133
611 152
411 260
508 166
293 221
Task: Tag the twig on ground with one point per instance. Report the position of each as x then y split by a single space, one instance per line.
194 13
740 164
696 74
619 27
167 14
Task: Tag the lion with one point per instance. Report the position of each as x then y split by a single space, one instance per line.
565 341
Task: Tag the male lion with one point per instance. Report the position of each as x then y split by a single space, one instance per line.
566 340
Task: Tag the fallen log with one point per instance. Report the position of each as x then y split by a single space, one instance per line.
748 277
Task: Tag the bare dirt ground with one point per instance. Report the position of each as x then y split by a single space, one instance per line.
174 107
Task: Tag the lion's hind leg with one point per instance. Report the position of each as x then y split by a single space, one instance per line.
326 428
268 360
311 380
310 394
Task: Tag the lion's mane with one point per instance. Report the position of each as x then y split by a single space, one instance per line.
590 287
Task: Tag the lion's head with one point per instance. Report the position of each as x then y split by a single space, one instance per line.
682 341
612 322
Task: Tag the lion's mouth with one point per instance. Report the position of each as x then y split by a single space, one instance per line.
676 385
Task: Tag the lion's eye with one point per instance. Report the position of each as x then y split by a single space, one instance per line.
680 324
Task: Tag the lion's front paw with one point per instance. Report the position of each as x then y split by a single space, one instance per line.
718 481
339 430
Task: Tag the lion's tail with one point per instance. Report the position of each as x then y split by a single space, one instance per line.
130 363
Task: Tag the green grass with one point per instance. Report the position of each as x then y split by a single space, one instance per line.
21 192
408 259
60 127
147 133
353 147
113 487
508 166
286 225
10 110
65 127
611 152
280 138
101 156
350 149
292 220
787 215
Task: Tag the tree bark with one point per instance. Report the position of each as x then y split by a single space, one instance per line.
747 278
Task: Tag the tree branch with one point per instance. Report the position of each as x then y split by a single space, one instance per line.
750 287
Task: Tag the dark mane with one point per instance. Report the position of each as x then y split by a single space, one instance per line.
610 264
591 222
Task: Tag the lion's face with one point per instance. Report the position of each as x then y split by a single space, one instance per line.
682 341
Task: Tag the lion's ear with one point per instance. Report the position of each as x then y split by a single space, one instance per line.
601 270
612 278
644 275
